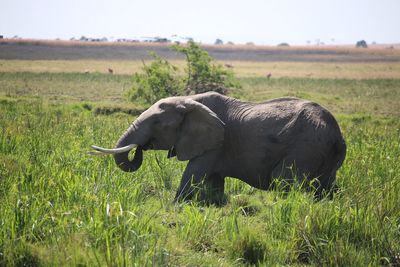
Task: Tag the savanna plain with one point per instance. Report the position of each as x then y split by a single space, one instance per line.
60 206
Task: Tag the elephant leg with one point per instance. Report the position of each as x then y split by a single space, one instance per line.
216 183
199 174
327 186
207 188
288 171
285 172
214 186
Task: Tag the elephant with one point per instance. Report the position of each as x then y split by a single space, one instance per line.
285 139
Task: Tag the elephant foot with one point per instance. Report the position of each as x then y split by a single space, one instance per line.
329 193
203 198
210 191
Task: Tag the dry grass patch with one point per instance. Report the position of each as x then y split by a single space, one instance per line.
383 70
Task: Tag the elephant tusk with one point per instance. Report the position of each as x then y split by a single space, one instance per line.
102 151
96 153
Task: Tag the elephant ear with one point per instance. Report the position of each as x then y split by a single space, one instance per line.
200 131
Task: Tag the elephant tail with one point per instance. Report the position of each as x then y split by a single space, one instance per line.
327 180
339 151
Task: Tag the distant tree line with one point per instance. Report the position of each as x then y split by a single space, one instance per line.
122 40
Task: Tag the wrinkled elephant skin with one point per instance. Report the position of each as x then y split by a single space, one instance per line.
285 138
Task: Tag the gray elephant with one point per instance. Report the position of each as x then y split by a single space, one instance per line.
285 138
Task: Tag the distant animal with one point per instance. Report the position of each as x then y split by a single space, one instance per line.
229 66
110 71
285 138
269 76
86 71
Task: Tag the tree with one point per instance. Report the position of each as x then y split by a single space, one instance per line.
202 74
162 79
218 42
283 45
361 44
158 80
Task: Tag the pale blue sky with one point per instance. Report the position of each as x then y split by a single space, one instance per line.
262 22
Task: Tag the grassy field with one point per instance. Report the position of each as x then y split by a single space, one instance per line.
60 206
316 70
376 96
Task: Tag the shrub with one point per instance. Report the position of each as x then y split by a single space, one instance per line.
361 44
162 79
159 80
201 74
283 45
218 42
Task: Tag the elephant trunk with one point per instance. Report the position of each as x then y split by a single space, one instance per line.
127 165
131 136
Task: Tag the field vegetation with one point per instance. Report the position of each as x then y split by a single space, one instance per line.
62 207
316 70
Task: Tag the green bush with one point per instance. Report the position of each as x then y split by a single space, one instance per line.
201 74
159 80
162 79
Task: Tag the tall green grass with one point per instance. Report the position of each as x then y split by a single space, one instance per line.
61 206
375 96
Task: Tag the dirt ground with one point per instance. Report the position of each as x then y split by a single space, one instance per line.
64 50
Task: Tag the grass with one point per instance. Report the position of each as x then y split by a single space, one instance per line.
119 67
316 70
378 96
338 95
60 206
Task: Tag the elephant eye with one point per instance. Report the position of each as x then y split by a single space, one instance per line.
160 124
157 120
165 124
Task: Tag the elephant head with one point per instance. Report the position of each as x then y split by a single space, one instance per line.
181 125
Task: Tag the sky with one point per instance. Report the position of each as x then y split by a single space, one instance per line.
267 22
